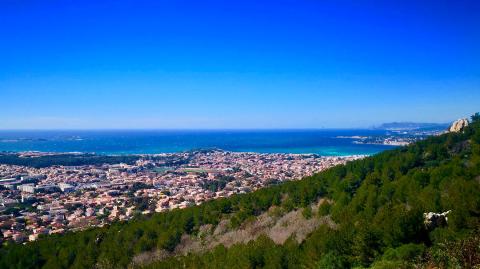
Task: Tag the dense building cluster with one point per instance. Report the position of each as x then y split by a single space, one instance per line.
54 199
398 137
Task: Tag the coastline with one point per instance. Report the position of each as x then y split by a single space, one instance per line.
321 142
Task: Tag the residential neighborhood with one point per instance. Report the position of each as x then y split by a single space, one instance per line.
38 201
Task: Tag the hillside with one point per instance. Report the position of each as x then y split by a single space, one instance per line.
367 213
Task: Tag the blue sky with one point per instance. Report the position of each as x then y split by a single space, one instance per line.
236 64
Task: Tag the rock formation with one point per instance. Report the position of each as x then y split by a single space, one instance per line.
433 220
458 125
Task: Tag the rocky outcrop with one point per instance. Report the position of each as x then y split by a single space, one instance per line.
458 125
433 220
277 225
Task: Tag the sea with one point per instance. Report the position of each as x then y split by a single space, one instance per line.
326 142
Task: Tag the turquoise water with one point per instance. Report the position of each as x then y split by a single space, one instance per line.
323 142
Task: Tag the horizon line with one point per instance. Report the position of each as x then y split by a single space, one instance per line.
203 129
372 126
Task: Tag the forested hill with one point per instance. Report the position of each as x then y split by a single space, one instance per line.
375 210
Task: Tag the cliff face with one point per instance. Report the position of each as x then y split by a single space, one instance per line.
458 125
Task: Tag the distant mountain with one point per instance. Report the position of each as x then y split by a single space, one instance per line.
412 126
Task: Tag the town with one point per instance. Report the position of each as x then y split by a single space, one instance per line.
35 202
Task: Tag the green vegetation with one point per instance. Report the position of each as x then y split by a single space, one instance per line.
217 184
377 204
64 159
194 170
161 169
324 209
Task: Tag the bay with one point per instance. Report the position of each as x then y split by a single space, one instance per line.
327 142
